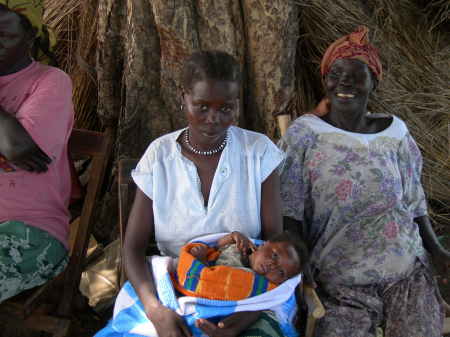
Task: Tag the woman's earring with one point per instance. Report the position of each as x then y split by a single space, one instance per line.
181 107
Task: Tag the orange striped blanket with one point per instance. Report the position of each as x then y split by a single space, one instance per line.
194 278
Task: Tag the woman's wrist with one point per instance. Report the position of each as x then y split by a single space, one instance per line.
152 306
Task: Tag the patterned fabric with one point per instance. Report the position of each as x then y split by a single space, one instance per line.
231 256
129 318
172 182
216 282
407 308
359 194
28 257
33 10
353 46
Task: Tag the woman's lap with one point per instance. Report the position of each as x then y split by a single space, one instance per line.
28 257
407 308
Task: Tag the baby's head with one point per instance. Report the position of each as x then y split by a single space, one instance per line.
280 258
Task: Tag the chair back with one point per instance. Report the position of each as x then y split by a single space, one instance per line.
96 145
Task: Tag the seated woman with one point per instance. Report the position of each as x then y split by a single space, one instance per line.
234 268
352 183
210 177
36 118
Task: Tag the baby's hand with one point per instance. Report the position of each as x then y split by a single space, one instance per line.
243 243
200 252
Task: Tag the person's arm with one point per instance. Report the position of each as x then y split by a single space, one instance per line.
139 229
271 219
430 240
17 146
243 243
232 326
439 254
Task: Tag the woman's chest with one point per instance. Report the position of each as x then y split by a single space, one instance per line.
344 169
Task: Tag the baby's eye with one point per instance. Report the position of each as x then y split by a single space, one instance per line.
203 108
274 256
226 109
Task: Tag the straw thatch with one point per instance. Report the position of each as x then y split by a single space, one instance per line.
75 24
149 38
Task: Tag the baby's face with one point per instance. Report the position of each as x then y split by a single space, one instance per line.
277 261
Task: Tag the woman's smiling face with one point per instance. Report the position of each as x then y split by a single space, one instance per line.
348 85
211 107
15 42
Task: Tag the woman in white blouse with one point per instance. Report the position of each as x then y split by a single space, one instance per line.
210 177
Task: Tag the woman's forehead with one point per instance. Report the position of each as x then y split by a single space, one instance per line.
10 22
353 64
205 89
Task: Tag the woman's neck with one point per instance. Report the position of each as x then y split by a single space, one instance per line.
18 66
204 143
353 121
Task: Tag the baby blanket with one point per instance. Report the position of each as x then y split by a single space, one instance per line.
130 320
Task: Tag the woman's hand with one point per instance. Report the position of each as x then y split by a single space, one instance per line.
243 243
232 326
167 322
441 261
17 146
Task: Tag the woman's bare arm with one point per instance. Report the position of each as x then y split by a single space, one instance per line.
271 219
139 230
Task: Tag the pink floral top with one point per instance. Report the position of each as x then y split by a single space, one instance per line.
357 195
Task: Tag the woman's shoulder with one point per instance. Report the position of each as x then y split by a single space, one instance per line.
164 146
250 139
46 72
305 125
396 129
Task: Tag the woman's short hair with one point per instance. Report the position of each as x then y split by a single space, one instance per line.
213 64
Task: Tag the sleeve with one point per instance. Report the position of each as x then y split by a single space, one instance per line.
143 173
271 158
47 114
292 182
410 167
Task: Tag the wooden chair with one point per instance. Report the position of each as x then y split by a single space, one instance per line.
127 189
35 308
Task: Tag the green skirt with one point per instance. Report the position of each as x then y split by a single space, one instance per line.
29 257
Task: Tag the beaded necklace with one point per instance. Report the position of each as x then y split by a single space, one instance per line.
207 152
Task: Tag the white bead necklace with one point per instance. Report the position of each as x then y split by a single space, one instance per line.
204 153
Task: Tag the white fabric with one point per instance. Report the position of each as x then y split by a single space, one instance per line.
171 181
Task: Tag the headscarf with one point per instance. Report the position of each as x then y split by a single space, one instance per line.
353 46
33 10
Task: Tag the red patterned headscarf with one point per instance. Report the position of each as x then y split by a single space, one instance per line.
353 46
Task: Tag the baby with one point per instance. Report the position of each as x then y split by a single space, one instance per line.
277 259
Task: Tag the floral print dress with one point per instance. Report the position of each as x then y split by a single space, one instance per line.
358 195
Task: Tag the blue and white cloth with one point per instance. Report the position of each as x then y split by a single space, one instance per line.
129 318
